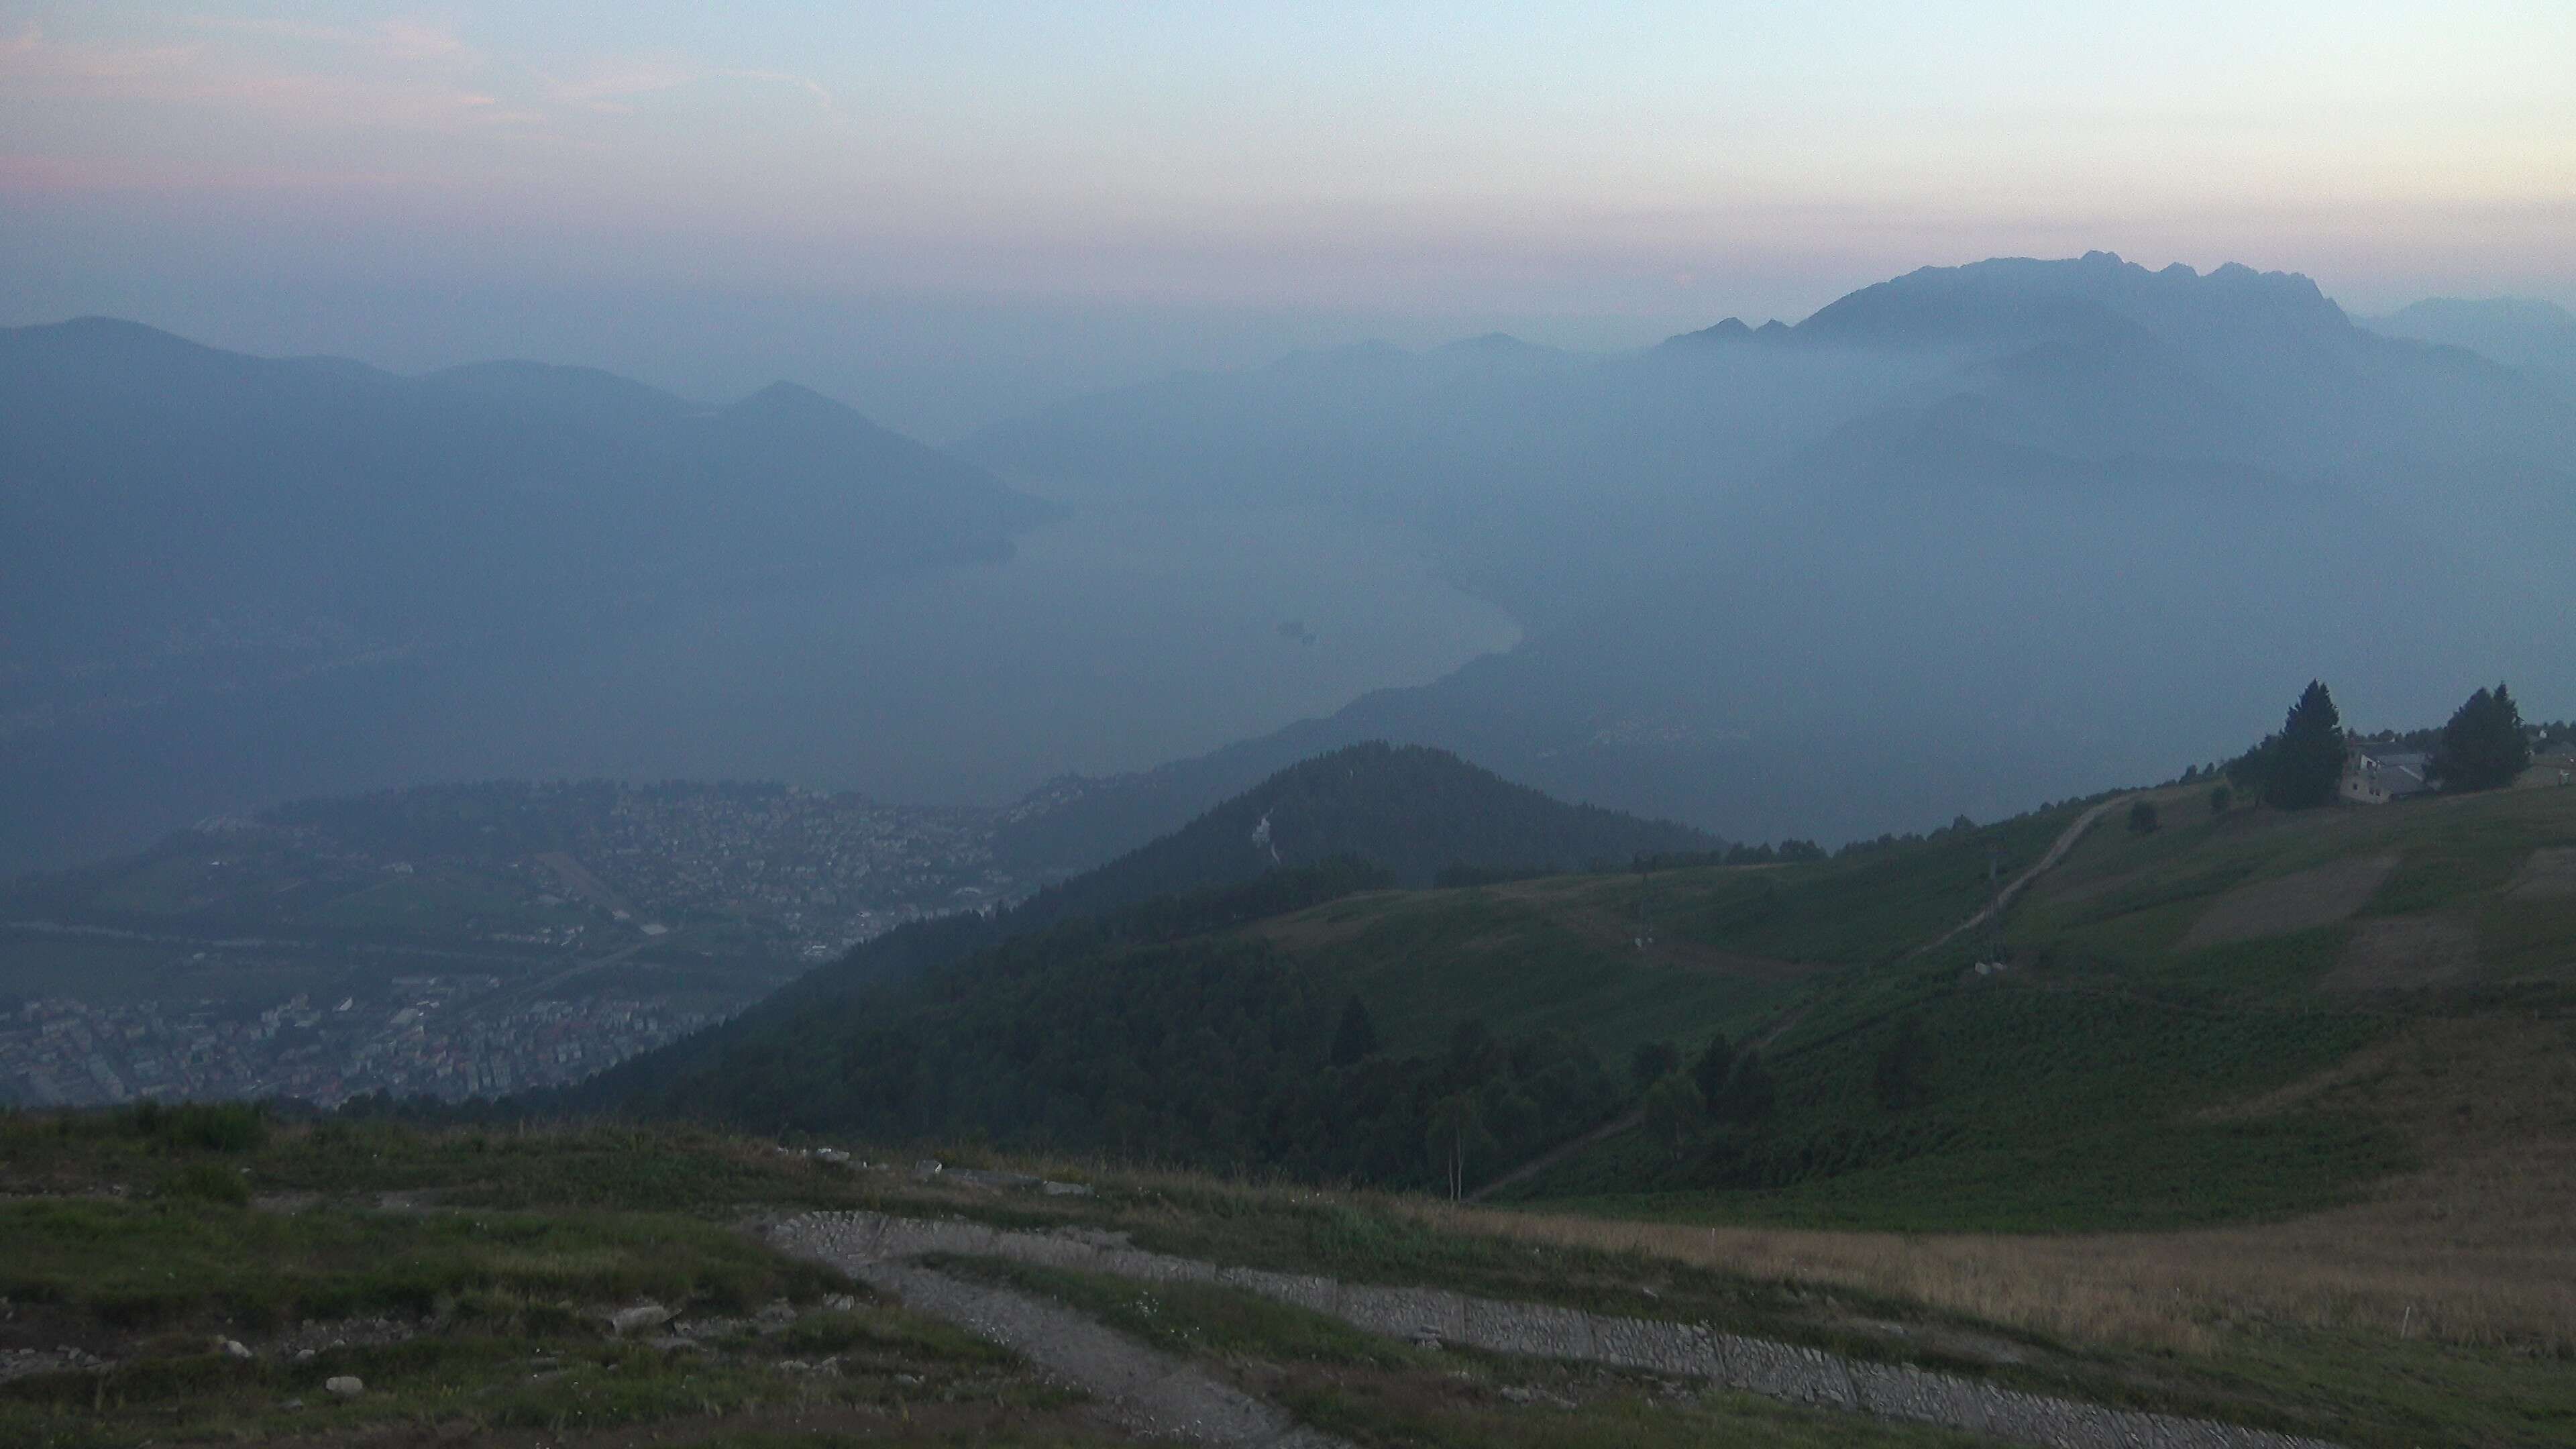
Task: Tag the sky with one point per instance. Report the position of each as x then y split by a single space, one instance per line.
950 212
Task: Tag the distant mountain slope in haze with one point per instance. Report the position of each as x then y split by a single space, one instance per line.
154 487
204 553
2538 337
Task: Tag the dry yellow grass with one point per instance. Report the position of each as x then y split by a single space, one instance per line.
2477 1248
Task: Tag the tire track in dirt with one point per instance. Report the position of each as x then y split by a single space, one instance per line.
1145 1391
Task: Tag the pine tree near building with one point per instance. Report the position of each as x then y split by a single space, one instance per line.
2298 768
2483 747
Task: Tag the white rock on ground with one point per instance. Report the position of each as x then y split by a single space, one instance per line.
642 1315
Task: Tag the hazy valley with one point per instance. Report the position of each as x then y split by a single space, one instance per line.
1486 895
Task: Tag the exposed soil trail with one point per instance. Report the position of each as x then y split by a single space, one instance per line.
1558 1153
1145 1391
2057 851
874 1246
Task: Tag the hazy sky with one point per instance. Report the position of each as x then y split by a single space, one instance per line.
944 210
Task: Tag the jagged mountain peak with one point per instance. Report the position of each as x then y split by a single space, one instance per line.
2020 299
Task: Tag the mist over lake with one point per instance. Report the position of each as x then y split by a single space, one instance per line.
1112 640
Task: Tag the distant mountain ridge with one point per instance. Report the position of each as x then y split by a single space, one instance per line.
2536 336
132 449
191 537
1835 579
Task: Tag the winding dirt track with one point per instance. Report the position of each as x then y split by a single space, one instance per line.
2057 851
1156 1394
1144 1391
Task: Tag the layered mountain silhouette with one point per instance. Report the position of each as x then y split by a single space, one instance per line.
1967 539
203 553
162 494
2535 336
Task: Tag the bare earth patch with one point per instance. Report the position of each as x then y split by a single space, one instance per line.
2549 875
2404 953
2300 902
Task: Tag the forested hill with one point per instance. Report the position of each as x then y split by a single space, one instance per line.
1405 813
1408 810
1411 809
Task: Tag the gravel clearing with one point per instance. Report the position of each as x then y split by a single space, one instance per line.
1145 1391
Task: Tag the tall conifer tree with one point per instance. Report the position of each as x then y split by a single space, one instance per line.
2483 747
2304 762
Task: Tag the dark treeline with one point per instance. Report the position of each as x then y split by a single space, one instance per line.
2484 746
1787 852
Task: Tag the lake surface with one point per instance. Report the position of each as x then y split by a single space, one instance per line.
1114 640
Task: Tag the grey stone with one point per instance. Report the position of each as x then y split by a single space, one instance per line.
1538 1330
344 1386
640 1316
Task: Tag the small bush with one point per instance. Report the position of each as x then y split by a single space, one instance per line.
2142 818
205 1182
204 1126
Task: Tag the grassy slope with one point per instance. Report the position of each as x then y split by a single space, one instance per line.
1733 948
515 1237
2089 1087
2112 1079
486 1320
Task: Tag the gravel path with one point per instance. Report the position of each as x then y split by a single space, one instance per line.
1145 1391
2057 851
874 1246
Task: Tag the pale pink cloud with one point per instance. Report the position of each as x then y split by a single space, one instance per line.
417 40
273 29
200 76
404 40
29 56
609 86
612 87
27 175
807 84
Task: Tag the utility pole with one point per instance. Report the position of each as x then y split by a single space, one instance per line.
1994 903
1645 904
